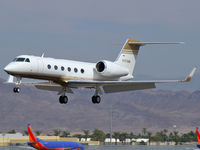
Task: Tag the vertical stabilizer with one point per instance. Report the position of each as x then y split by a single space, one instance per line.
198 135
128 54
32 137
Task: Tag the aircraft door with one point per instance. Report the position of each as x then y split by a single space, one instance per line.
40 65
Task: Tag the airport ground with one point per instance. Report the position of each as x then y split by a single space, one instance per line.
19 141
118 147
98 137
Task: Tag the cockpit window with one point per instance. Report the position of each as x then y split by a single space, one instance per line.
20 59
27 60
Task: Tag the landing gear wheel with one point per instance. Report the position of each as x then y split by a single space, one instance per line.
63 99
96 99
16 89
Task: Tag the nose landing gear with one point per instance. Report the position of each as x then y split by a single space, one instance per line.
17 89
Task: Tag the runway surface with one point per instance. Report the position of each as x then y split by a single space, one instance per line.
102 147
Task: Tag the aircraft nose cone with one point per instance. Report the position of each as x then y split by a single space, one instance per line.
8 68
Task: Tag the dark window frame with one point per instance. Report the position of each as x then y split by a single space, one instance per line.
82 70
27 60
69 69
20 59
62 68
49 66
55 67
75 70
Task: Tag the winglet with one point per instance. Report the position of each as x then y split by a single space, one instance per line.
188 78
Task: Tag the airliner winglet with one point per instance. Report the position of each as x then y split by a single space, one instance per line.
63 75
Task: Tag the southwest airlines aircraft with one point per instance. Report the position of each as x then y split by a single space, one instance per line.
198 137
63 75
51 145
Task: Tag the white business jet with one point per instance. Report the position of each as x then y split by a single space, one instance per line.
63 75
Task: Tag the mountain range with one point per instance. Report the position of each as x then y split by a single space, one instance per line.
151 109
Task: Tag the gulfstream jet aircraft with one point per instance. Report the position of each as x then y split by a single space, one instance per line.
64 75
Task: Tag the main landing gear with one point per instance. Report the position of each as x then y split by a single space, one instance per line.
63 99
16 89
96 99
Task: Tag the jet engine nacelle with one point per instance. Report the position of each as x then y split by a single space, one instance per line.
110 69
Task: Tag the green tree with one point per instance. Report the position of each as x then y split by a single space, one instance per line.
98 135
107 135
65 133
25 132
144 131
188 137
123 136
149 136
176 137
116 135
38 132
12 131
171 137
157 137
86 134
56 132
131 135
165 137
79 136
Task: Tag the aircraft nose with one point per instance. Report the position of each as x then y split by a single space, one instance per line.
9 68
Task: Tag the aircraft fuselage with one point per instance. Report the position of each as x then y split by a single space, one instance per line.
53 69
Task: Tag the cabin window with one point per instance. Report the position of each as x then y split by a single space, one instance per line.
20 59
82 71
62 68
27 60
55 67
49 66
69 69
75 70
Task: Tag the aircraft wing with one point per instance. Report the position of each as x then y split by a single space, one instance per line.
108 86
120 86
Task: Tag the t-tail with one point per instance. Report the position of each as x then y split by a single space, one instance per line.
33 140
127 56
198 137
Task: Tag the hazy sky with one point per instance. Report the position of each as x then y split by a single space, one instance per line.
86 29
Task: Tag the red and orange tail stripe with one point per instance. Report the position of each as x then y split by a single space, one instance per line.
32 137
198 135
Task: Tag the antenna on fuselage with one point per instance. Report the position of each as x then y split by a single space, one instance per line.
42 55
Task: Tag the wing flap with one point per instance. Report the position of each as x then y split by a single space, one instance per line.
130 87
120 86
50 86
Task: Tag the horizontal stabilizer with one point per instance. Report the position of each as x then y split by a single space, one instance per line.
148 43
